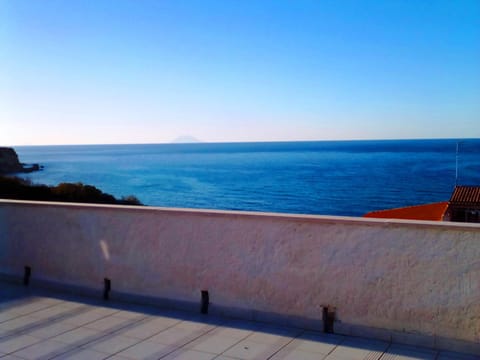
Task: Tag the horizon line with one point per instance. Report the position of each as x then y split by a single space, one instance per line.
245 142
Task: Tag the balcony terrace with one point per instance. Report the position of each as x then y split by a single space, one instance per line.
41 324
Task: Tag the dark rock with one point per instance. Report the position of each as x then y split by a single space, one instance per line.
9 163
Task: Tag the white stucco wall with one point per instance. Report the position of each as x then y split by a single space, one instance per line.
420 278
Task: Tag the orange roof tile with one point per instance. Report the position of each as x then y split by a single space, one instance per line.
433 212
466 195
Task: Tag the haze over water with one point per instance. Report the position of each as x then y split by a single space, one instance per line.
323 177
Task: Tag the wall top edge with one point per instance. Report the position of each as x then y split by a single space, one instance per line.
219 213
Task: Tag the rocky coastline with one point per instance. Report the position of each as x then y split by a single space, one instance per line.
14 187
10 164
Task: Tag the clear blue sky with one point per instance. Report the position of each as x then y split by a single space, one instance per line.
74 72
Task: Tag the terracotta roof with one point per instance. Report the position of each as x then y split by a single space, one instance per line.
466 196
433 212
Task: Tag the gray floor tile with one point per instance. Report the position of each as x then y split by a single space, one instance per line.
49 300
317 342
112 344
334 357
8 315
43 350
162 321
266 338
78 336
148 328
141 332
52 330
85 318
108 324
407 352
232 332
16 343
190 355
247 350
129 314
213 344
82 354
70 305
362 343
146 350
354 354
193 325
280 330
309 345
53 311
298 355
18 324
175 336
30 308
358 349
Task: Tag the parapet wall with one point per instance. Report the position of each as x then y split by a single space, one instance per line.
414 282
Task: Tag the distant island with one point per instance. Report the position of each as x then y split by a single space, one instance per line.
186 139
13 187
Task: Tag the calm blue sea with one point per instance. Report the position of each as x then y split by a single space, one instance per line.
324 177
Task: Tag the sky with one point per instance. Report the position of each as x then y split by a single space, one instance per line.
137 71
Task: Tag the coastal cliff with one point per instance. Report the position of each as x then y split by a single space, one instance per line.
9 162
12 187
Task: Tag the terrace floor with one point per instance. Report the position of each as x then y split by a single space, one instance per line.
38 324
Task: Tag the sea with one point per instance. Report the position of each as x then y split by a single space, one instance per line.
346 178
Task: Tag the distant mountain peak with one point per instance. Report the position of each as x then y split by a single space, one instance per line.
186 139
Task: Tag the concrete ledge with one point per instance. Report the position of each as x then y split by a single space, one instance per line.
326 219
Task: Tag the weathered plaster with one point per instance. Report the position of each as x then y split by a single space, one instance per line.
408 277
